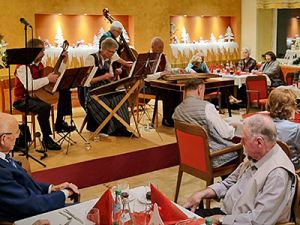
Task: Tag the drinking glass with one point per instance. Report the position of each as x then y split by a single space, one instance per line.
93 216
124 187
140 213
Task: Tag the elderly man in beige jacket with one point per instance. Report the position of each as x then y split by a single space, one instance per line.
261 189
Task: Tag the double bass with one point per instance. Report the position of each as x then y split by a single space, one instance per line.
127 53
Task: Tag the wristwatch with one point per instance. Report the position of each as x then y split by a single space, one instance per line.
220 220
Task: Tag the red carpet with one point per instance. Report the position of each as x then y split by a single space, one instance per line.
98 171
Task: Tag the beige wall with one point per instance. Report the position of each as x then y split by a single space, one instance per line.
248 27
151 17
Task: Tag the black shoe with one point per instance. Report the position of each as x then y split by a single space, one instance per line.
63 127
168 122
51 145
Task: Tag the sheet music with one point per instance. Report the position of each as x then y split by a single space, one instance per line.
58 81
87 83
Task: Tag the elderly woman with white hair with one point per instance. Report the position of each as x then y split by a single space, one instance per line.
246 64
197 65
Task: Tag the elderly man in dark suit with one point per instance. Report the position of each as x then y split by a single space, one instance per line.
20 195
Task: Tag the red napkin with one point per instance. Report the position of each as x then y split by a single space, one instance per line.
168 212
104 205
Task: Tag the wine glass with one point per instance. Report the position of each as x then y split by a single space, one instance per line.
124 187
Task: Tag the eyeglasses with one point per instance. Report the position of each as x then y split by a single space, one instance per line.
18 133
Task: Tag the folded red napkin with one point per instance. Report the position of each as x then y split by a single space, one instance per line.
168 211
104 205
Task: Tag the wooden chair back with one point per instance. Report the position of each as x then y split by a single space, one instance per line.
285 148
5 88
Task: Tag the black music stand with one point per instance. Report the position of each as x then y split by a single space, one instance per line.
22 56
72 78
146 63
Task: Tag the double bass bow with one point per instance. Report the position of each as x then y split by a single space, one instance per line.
128 53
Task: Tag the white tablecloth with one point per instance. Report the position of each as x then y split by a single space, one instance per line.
239 80
81 209
193 48
80 53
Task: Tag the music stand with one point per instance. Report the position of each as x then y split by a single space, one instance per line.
146 63
72 78
22 56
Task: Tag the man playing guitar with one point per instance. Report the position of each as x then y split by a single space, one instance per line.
37 106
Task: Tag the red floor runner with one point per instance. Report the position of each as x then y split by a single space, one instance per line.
98 171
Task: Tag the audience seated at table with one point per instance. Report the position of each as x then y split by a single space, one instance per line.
282 106
261 189
197 65
246 63
195 110
21 196
271 69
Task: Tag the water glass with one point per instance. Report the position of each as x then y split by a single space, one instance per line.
93 216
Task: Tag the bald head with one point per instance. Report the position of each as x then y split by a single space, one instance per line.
261 125
8 123
157 45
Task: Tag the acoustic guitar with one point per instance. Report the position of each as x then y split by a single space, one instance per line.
45 93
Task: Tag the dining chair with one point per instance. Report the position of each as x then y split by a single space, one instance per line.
295 211
289 78
195 159
215 95
257 92
6 89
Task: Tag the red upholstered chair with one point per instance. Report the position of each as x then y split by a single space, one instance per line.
289 78
216 94
195 158
257 92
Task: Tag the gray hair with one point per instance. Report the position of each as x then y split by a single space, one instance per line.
116 25
261 125
109 43
246 49
156 40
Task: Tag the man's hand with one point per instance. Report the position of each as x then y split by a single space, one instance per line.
41 222
193 201
72 188
52 77
165 72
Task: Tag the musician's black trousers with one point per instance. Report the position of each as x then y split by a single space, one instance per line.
42 109
64 105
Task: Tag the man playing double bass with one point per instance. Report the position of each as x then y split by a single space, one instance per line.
37 106
114 32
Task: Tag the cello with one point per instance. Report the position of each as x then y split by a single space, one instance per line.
127 53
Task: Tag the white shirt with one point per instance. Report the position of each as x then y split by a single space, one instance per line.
34 84
225 130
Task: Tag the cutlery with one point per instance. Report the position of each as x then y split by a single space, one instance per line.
72 215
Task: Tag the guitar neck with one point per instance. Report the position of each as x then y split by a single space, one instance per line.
58 63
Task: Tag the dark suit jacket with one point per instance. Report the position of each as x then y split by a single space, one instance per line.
22 197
